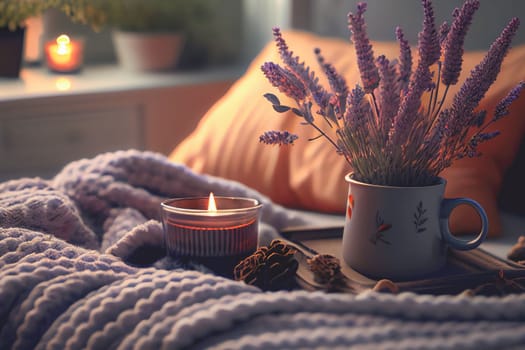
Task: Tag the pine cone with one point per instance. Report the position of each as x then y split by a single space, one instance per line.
269 268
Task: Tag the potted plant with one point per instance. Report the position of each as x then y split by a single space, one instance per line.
13 18
397 220
13 15
150 35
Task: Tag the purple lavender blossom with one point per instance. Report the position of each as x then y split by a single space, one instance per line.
364 52
284 80
429 52
428 41
502 109
405 59
480 79
336 81
284 51
278 138
388 94
388 137
479 119
471 149
444 28
338 85
453 44
319 93
410 104
357 108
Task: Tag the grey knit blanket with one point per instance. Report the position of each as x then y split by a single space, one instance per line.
66 281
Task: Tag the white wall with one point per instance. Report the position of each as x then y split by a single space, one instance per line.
255 19
259 17
382 16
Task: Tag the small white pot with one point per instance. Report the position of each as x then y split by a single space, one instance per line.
139 51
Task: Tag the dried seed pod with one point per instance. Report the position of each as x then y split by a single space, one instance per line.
385 285
517 252
326 269
500 286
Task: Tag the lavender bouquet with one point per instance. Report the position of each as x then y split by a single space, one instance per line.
382 128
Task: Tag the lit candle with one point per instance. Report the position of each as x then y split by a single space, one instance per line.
216 231
64 55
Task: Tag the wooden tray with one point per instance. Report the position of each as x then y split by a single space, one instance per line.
475 270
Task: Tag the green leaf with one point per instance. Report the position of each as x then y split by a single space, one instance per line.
281 109
297 112
274 100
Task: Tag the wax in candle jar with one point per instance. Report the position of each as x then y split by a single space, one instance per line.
218 237
189 240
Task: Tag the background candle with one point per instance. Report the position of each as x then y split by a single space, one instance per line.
218 238
64 55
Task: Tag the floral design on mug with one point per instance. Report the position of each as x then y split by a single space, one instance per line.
381 228
350 206
419 218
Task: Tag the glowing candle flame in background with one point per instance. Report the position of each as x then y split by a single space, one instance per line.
64 55
64 46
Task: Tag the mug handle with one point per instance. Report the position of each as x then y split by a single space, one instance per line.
447 205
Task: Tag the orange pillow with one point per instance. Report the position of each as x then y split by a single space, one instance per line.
310 174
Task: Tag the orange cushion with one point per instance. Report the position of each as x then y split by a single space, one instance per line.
310 174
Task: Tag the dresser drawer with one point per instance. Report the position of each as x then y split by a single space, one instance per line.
47 142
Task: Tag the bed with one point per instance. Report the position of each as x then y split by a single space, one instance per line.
83 262
83 265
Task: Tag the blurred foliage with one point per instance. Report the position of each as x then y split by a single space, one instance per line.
13 13
129 15
212 28
211 34
140 15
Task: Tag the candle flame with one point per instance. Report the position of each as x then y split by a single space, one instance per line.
211 203
63 43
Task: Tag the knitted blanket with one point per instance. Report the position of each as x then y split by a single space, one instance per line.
71 277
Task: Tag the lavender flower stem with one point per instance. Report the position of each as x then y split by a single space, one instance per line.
325 135
441 102
376 108
435 94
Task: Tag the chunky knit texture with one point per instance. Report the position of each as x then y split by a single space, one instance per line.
66 280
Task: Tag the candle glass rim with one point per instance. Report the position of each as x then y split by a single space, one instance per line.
167 205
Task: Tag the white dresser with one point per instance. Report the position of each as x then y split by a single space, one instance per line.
48 120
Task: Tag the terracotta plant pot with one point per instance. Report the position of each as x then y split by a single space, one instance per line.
139 51
12 48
